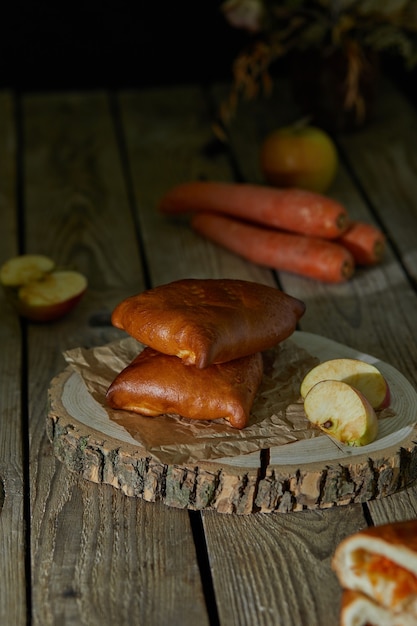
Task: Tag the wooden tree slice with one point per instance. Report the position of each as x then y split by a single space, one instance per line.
316 473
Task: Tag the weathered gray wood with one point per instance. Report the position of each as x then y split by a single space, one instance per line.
352 313
12 523
97 556
376 311
384 158
364 312
90 561
235 487
399 506
275 569
319 475
100 458
108 559
168 136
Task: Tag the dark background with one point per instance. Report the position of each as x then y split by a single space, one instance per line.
53 45
50 45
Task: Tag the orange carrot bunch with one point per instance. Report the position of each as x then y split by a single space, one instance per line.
292 230
365 241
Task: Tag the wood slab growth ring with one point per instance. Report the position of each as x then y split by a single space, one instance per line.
309 474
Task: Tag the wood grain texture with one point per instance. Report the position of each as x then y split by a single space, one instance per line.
90 562
105 565
386 167
99 458
286 560
234 487
169 139
94 169
364 312
399 506
303 475
12 527
375 312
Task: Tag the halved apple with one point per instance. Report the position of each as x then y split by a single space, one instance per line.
359 374
342 412
37 290
25 268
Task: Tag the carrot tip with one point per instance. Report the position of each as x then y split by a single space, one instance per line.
379 249
342 222
348 269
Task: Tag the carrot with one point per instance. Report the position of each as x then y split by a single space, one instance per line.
308 256
295 210
366 243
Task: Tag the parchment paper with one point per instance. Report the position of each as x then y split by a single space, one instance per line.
277 416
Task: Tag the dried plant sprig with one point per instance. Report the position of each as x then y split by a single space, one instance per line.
350 25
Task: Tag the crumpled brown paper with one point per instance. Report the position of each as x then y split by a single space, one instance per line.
277 416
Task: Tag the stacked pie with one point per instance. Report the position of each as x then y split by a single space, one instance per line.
203 341
377 569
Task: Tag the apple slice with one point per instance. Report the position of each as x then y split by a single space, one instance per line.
51 297
359 374
37 290
25 268
342 412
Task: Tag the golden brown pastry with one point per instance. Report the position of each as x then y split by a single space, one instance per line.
155 383
357 609
381 562
205 321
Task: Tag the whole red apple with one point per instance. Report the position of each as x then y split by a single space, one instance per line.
299 156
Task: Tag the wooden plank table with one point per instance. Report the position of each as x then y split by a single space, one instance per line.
80 177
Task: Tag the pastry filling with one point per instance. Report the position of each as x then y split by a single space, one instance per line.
390 582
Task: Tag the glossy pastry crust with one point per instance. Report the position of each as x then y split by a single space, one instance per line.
359 610
381 562
156 383
205 321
